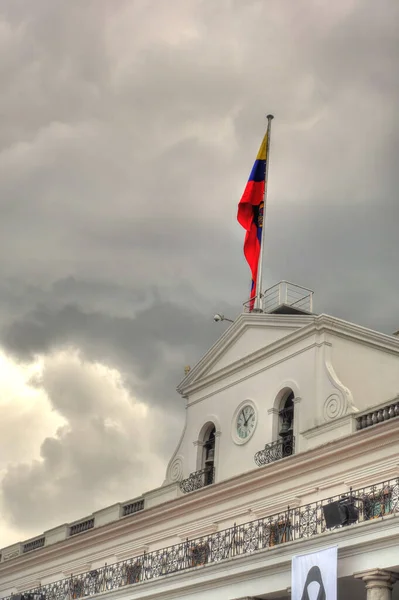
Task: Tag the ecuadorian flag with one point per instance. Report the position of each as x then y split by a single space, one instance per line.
250 213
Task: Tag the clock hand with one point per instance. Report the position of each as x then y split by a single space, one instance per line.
243 415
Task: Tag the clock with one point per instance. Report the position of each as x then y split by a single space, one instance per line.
244 423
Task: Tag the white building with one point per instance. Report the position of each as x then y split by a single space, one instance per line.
288 412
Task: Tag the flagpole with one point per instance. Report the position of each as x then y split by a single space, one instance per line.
258 297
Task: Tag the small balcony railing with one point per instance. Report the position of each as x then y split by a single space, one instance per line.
275 451
132 507
34 544
198 480
81 527
378 415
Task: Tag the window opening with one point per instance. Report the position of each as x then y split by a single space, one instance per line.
209 457
286 425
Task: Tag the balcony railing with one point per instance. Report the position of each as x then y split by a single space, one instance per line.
378 415
285 294
275 451
34 544
132 507
81 527
198 480
261 535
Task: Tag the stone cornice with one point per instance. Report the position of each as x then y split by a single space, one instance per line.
310 463
306 326
234 332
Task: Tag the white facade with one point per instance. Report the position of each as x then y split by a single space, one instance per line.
235 538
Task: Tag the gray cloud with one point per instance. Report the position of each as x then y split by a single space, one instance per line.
128 134
151 346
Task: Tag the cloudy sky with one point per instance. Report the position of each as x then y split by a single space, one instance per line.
127 132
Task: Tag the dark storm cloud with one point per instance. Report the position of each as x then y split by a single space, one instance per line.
128 134
139 345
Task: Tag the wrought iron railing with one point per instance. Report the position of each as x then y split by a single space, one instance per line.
378 415
275 451
263 534
198 480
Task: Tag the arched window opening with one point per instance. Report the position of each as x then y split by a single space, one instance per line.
209 456
286 424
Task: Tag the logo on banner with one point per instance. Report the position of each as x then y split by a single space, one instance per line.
314 576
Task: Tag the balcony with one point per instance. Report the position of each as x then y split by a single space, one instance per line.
198 480
375 502
275 451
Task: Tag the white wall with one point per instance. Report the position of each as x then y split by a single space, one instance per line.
371 374
331 377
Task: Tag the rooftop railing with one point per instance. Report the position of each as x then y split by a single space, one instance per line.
263 534
34 544
133 507
285 294
378 415
81 527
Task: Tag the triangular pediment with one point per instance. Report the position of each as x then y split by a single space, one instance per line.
248 334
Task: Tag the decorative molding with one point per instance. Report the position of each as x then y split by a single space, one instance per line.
132 552
166 482
9 554
264 508
378 578
364 479
76 568
329 426
196 530
175 470
234 332
306 327
334 407
338 403
222 375
28 584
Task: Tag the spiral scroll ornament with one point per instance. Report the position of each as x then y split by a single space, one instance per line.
176 469
334 407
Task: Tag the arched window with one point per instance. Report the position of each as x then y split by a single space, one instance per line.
286 423
208 455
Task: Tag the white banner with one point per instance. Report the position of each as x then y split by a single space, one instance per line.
314 576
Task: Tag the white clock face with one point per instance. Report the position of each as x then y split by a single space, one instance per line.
245 422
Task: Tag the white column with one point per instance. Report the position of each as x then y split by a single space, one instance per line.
379 583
